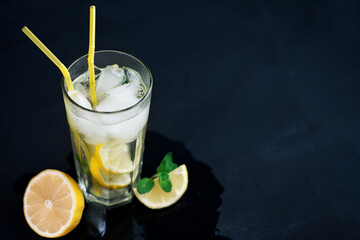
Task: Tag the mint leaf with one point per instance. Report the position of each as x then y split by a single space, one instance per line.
167 164
145 185
164 182
126 79
78 158
83 164
86 168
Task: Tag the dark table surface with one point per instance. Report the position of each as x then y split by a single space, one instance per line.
260 99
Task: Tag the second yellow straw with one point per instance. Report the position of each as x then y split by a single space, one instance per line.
91 56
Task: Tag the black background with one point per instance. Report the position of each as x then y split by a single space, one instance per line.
260 99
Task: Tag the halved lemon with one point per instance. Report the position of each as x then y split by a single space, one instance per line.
114 157
108 179
158 198
53 203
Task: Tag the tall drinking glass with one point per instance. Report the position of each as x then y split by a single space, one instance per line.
108 146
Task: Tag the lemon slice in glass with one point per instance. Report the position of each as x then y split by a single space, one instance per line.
114 157
108 179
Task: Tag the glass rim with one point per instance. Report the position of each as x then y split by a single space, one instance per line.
109 112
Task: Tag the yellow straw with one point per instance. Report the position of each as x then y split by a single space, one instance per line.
91 56
52 57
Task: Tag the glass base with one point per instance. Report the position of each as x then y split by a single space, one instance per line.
124 198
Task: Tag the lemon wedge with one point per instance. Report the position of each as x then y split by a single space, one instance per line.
158 198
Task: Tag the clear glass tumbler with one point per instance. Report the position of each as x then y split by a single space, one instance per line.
104 141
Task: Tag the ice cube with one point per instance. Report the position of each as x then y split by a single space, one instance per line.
96 139
80 99
81 88
81 83
110 77
133 76
120 98
93 132
126 131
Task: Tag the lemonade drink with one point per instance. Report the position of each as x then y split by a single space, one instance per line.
108 139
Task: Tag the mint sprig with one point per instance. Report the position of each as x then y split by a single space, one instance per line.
167 165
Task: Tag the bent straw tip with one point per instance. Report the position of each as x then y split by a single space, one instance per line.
24 28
